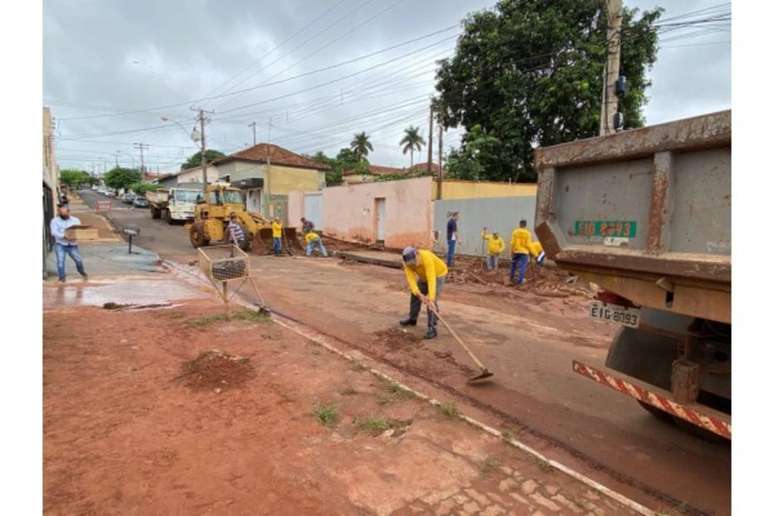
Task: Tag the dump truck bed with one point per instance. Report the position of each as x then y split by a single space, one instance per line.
645 213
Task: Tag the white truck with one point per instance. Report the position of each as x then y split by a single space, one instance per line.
173 204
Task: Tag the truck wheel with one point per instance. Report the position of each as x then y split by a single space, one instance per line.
155 213
167 216
198 238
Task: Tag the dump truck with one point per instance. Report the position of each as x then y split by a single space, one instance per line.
212 214
645 215
173 204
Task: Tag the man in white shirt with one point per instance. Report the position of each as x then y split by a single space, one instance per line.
63 245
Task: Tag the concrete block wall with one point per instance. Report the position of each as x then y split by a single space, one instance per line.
501 214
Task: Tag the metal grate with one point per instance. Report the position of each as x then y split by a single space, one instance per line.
224 263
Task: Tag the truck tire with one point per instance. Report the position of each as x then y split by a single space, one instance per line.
155 213
167 216
197 235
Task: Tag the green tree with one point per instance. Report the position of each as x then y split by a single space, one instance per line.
412 141
75 178
121 178
529 73
141 187
344 160
196 159
361 145
475 157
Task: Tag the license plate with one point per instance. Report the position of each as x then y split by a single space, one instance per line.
615 313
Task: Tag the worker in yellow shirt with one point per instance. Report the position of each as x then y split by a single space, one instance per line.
313 241
536 250
494 247
521 239
425 275
276 235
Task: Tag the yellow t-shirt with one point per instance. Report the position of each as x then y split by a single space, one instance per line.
276 230
535 248
521 239
494 246
311 237
428 268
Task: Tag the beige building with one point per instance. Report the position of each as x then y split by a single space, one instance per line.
189 175
50 180
267 173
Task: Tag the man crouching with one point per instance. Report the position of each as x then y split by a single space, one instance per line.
425 274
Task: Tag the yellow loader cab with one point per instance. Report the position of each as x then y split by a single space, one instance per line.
212 213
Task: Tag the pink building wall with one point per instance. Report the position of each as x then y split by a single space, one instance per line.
349 212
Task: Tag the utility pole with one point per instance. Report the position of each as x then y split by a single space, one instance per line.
269 209
440 160
430 142
253 126
141 146
201 118
116 153
612 68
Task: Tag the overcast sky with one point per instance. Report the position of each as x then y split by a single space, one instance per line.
261 62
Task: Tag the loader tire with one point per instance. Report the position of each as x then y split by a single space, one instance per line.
155 213
197 235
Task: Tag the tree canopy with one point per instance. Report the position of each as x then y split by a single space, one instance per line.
141 187
344 160
196 159
412 141
74 178
121 178
530 73
361 145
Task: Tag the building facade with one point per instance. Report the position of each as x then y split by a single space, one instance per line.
50 181
267 174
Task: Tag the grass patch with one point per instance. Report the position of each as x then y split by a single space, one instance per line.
393 392
544 466
239 315
512 433
375 425
448 409
326 414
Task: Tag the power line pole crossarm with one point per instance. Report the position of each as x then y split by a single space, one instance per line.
201 118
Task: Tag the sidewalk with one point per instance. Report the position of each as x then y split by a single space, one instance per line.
138 419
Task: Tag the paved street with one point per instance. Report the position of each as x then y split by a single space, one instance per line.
529 343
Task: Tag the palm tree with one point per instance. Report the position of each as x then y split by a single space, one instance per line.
412 141
360 145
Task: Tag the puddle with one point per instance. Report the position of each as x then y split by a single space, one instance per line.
120 293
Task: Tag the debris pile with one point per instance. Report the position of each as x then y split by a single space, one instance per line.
397 338
215 370
544 281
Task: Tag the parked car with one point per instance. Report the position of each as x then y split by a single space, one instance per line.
140 202
128 197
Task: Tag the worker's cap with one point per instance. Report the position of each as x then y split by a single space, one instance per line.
409 255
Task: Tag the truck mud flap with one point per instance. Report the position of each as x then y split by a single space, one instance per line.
698 415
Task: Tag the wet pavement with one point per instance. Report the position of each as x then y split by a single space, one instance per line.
108 259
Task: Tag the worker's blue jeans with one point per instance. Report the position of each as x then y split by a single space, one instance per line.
415 305
450 253
60 251
491 262
276 245
316 244
521 261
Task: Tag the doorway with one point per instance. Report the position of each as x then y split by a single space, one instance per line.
379 217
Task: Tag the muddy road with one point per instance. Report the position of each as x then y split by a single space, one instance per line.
528 341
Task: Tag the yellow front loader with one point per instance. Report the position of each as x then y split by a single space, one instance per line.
212 214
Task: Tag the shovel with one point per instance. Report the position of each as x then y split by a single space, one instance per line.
485 373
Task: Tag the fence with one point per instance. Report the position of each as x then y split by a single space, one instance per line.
500 214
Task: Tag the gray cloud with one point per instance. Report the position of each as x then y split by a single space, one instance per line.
114 56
